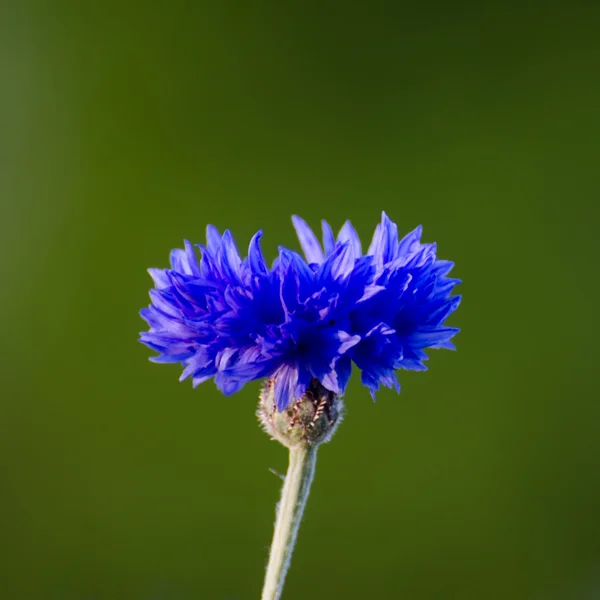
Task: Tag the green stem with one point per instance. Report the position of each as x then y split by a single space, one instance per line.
294 494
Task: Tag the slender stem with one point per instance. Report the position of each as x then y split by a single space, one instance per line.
289 514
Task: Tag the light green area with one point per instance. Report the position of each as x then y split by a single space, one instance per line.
127 127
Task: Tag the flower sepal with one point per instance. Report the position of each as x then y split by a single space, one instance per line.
309 420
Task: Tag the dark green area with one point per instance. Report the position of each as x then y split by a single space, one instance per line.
125 128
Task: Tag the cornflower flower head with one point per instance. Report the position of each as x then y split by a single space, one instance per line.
305 319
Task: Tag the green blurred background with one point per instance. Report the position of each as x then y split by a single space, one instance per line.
127 127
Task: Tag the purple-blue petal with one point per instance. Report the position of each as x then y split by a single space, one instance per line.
308 241
255 256
348 234
328 238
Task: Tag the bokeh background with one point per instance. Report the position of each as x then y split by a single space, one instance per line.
126 127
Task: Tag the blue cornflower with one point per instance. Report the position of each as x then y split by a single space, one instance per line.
302 319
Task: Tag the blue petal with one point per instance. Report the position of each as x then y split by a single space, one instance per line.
446 285
196 381
255 256
213 239
431 337
198 368
371 382
410 243
164 301
308 240
411 364
348 234
160 278
442 267
249 371
287 257
285 385
225 358
230 259
328 238
385 240
191 259
447 345
343 367
290 289
169 358
227 385
346 341
391 231
370 291
343 262
179 262
330 382
442 313
376 247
